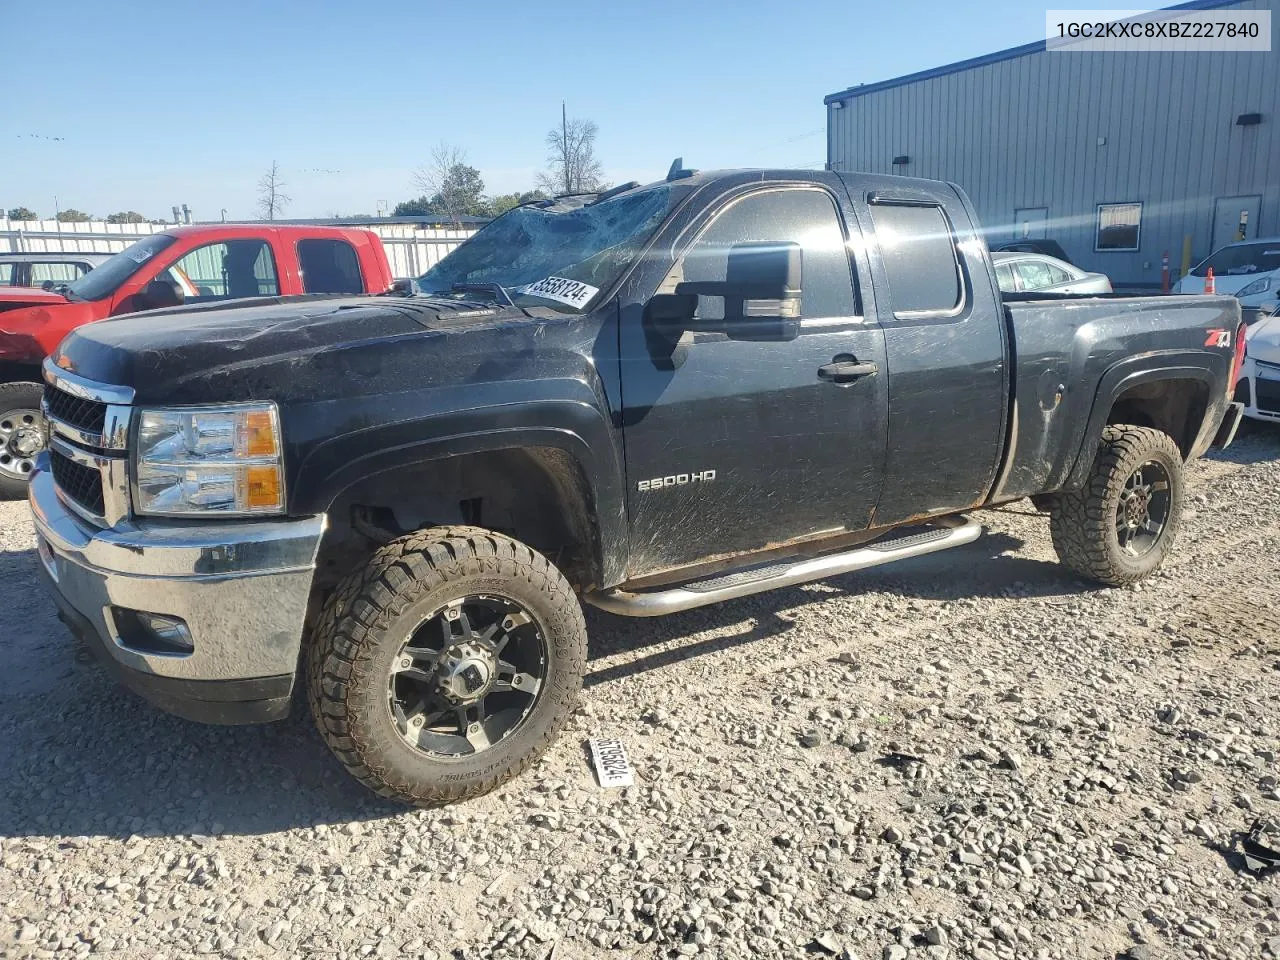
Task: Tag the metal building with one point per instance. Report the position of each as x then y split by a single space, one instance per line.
1118 157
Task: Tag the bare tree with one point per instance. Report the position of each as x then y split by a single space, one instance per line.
571 158
272 199
449 184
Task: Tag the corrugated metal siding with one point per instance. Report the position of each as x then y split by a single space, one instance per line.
1024 133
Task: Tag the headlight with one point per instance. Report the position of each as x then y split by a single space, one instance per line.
224 460
1252 290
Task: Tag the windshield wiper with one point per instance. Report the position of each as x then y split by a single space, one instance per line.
496 290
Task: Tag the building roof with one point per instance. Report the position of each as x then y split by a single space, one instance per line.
1010 54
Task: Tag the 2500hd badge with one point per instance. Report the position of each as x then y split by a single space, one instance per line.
676 480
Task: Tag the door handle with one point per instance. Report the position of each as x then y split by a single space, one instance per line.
847 371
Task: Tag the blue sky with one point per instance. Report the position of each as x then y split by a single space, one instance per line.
159 104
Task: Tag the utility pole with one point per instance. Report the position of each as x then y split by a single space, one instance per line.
564 145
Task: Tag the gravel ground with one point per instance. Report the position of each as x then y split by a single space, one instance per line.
967 755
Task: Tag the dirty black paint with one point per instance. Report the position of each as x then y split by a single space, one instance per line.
373 384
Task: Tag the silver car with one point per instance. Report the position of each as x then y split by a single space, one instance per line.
45 269
1037 273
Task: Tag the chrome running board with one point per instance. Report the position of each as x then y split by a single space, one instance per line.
946 532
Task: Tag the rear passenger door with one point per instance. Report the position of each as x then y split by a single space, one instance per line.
329 265
945 338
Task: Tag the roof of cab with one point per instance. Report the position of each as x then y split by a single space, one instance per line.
257 229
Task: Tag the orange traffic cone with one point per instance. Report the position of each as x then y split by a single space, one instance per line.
1209 285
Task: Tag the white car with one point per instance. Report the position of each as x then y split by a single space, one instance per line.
1039 273
1248 270
1259 385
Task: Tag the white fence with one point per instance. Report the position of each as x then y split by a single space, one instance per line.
411 248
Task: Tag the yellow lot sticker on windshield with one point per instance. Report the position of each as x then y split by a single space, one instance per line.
573 292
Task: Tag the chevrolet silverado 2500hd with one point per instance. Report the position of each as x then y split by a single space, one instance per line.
649 400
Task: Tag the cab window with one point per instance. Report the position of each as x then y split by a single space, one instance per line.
920 259
329 266
59 272
1036 274
804 216
1005 279
225 270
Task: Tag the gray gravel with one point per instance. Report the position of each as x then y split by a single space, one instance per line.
968 755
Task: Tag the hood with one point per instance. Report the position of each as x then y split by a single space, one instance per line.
12 298
31 325
1263 340
284 349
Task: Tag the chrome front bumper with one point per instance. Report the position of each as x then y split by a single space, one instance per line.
241 588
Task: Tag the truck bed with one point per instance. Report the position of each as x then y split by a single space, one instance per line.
1066 353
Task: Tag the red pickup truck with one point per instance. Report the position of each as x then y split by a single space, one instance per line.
198 264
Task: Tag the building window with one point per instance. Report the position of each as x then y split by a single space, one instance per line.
1119 226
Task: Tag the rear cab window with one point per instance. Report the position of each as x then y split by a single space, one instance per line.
329 266
8 272
918 248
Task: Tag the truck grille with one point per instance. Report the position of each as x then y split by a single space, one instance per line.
1267 394
87 415
78 482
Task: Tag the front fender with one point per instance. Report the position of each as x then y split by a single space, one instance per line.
577 426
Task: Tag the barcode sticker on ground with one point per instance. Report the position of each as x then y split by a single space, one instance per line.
613 769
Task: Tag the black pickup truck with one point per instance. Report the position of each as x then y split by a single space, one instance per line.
650 399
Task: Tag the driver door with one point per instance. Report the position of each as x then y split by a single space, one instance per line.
734 445
222 270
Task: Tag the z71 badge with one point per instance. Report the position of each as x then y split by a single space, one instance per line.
676 480
1218 338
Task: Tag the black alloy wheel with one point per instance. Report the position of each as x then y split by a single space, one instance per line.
468 677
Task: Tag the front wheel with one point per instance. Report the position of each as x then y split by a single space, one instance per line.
447 665
1121 524
23 434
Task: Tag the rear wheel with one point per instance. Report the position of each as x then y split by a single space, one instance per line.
447 665
1121 524
23 434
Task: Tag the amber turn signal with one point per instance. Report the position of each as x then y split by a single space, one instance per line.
257 434
261 488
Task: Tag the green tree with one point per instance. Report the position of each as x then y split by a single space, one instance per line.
501 204
72 215
421 207
126 216
22 213
455 188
